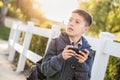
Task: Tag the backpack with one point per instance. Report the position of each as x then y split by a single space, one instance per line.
35 72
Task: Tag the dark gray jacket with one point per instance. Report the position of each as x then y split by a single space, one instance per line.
55 68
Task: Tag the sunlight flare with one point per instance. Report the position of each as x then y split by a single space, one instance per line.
58 10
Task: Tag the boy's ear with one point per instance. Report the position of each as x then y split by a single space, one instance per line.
87 28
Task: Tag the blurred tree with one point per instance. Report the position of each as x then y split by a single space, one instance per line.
4 10
24 9
31 9
106 14
113 69
28 10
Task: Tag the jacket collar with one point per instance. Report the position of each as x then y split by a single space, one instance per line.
66 39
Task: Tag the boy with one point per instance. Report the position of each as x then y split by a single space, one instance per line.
61 61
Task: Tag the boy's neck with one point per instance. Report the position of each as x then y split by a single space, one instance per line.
75 39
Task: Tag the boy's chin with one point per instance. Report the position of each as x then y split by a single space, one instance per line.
70 34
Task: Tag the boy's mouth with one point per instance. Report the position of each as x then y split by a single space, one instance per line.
70 29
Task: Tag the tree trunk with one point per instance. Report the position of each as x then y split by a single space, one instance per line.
3 13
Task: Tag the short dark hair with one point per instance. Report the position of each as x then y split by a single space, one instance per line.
85 14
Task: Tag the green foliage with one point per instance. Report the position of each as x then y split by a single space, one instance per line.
113 69
38 44
16 13
106 15
4 32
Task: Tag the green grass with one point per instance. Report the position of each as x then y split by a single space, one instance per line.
4 32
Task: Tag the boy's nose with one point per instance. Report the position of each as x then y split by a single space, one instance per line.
71 23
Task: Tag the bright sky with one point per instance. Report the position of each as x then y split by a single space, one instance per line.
58 10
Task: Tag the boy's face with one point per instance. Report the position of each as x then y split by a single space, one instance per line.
76 25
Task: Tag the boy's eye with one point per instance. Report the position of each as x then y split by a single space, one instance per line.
78 22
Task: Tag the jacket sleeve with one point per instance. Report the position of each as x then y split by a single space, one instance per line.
52 62
83 71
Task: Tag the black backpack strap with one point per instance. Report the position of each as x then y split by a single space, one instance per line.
35 72
39 73
32 75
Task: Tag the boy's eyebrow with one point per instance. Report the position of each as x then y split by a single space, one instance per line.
78 19
75 18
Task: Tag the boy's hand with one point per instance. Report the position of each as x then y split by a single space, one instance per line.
67 53
82 58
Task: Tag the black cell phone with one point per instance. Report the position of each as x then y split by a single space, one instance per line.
77 50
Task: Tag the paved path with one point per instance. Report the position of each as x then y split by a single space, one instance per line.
6 68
